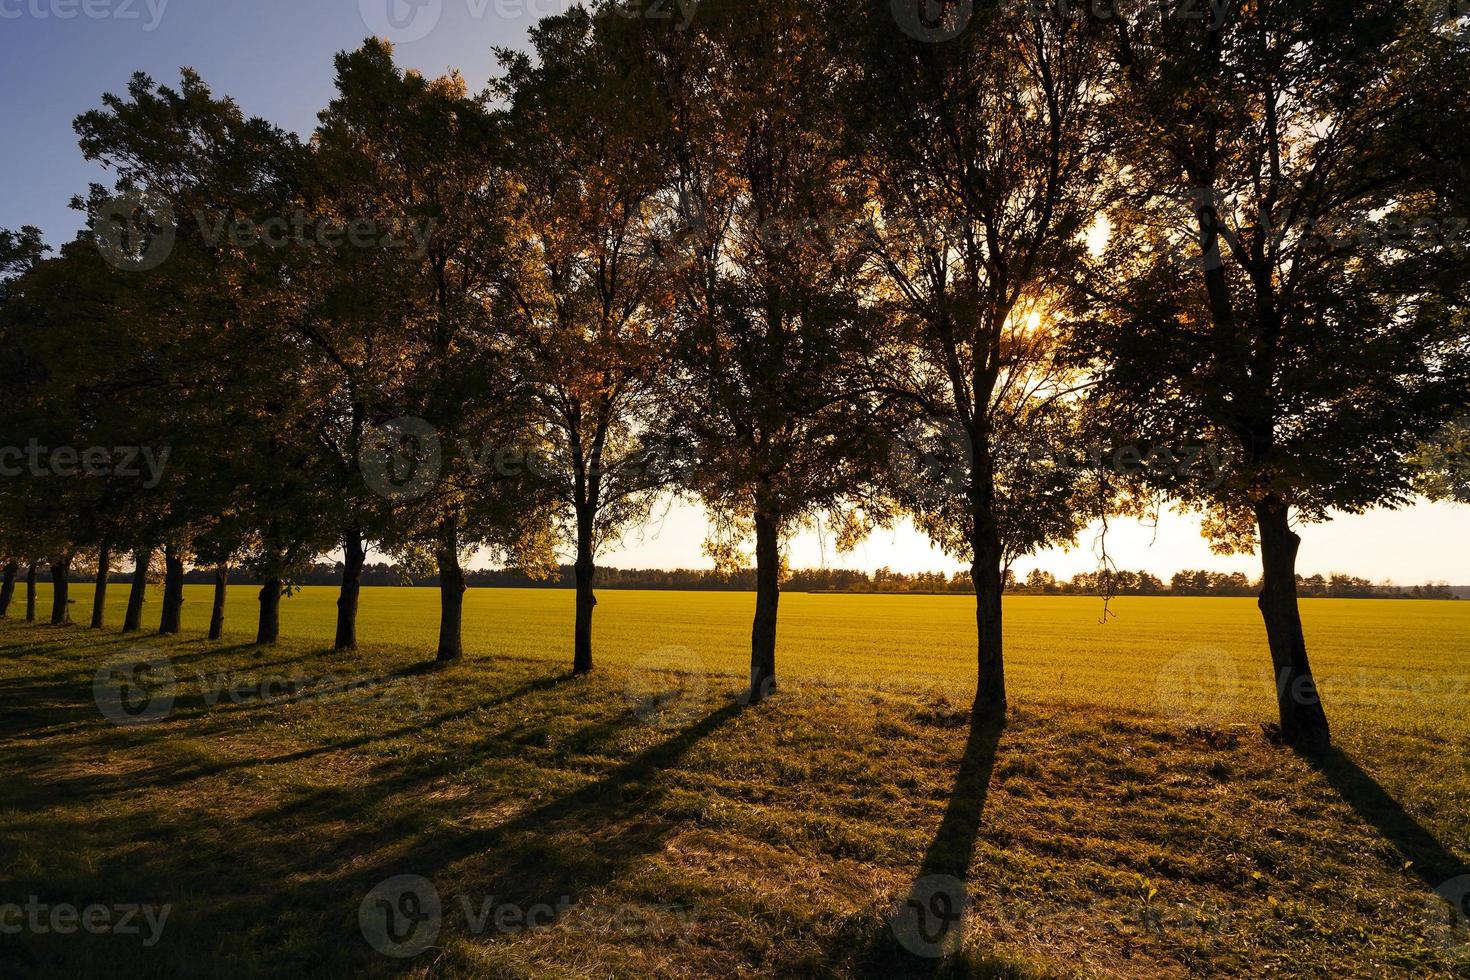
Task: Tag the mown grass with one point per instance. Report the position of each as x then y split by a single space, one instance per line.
1103 831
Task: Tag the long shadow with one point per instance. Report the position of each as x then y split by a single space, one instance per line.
86 666
218 707
954 843
174 776
1432 861
218 699
29 777
518 859
74 701
561 847
929 926
68 706
49 648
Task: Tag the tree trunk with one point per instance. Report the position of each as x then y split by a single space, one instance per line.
353 557
171 617
990 687
451 594
60 601
1303 722
31 592
989 581
767 602
99 589
138 591
7 587
268 630
585 573
217 611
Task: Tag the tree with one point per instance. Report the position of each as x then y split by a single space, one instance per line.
20 251
435 154
137 590
361 224
221 546
215 187
1249 295
982 158
581 287
768 265
7 586
65 496
31 590
68 321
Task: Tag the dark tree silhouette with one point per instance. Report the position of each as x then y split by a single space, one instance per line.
1251 294
983 161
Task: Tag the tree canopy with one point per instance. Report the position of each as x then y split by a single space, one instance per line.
1002 271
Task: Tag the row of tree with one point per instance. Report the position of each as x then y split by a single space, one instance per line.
804 264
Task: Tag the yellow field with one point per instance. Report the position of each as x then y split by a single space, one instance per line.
1405 664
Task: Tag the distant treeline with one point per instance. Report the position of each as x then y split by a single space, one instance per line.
883 581
1196 582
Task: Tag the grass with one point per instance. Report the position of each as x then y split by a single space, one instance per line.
1129 819
1379 663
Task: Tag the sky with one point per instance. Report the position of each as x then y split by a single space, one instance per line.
58 57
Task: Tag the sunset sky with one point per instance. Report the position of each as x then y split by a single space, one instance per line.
1423 543
273 56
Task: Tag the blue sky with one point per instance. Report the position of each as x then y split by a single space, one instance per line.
57 58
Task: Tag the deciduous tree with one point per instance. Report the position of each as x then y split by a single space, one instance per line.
581 287
1253 291
980 151
769 268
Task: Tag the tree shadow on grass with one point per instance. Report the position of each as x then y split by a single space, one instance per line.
319 850
622 793
53 647
418 728
1434 863
552 854
924 935
166 775
65 704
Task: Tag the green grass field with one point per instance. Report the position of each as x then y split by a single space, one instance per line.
1379 663
1129 820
